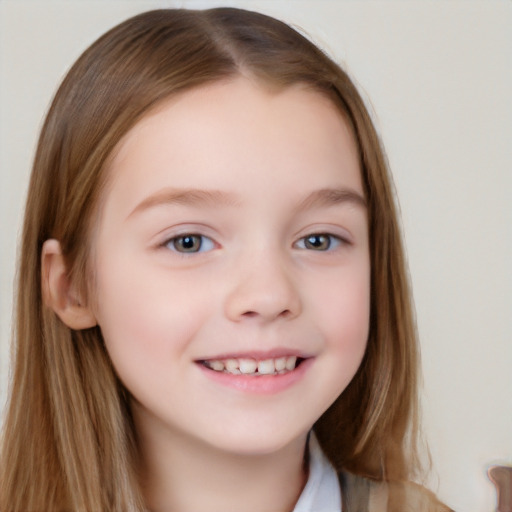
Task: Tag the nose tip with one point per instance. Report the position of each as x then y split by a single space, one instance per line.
265 293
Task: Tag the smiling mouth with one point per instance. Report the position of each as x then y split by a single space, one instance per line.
254 367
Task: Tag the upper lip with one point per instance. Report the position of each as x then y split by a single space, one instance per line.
259 355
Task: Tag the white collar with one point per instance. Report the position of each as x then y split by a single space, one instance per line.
322 491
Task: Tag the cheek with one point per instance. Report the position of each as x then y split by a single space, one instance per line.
344 317
145 318
348 316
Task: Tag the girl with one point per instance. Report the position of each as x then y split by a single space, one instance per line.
213 311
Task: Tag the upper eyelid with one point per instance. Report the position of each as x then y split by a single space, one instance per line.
338 232
166 235
172 237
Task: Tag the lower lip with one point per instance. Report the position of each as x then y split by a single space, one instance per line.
263 384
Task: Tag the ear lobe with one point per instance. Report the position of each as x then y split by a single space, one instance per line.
58 293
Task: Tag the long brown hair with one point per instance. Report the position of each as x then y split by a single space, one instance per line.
68 441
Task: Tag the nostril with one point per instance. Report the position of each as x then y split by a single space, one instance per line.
250 314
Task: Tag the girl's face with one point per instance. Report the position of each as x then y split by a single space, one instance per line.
232 262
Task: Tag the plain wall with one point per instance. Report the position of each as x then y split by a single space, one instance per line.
438 77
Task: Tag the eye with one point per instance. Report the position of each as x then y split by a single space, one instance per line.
190 243
319 242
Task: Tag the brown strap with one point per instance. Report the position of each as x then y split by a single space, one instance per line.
355 492
362 495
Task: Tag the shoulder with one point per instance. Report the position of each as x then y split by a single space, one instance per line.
364 495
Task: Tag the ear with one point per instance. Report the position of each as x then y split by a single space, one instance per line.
58 293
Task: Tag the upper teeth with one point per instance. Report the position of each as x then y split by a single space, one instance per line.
249 366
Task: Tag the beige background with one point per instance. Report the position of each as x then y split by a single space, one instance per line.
439 77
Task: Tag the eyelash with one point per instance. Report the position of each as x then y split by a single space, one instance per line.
196 243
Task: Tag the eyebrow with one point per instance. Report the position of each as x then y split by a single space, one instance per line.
216 198
332 197
186 197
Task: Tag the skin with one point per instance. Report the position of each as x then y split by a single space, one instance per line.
256 160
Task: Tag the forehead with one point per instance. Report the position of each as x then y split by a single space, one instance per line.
224 133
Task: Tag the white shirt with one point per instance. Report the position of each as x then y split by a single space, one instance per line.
322 491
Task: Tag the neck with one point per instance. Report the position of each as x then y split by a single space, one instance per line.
183 475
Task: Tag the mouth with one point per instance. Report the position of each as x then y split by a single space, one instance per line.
253 367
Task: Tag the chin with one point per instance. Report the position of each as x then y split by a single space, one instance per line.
260 442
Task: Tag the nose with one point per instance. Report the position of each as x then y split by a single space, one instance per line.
263 289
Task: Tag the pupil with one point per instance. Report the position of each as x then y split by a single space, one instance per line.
318 242
190 243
